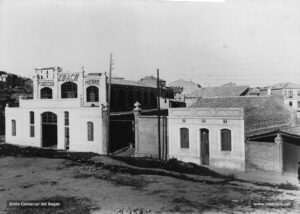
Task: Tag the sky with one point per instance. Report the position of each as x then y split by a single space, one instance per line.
249 42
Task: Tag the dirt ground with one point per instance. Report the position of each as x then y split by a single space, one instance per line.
87 189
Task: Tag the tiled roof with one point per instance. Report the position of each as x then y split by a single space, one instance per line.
227 91
261 113
121 81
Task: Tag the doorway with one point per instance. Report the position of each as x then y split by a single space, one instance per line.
204 146
49 130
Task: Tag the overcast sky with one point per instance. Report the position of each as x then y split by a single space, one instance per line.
253 42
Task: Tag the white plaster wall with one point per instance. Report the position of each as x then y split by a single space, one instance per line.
22 127
234 159
78 118
78 130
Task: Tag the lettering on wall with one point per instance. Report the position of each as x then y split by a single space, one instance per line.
68 77
46 84
92 82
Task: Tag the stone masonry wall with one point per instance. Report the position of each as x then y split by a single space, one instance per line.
262 156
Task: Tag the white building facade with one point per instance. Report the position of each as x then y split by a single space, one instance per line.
65 112
208 136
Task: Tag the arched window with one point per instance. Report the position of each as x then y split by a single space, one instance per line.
90 130
31 115
225 140
66 114
121 98
139 96
92 93
69 90
67 131
46 93
31 119
112 98
49 118
146 98
130 98
153 99
184 137
13 128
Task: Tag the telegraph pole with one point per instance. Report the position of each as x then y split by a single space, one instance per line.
108 106
158 114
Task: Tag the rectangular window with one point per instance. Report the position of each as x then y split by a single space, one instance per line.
67 138
298 92
31 131
13 128
298 103
184 137
31 119
290 94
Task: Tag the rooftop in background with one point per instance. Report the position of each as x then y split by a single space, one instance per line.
225 91
285 85
262 114
188 86
152 81
122 81
228 84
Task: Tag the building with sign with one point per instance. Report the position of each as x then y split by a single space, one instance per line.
65 112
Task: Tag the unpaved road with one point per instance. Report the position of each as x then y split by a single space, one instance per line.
101 191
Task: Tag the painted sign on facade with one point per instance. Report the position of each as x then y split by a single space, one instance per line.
68 77
92 82
47 84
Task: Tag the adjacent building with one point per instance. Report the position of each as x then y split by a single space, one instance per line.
290 92
240 133
65 112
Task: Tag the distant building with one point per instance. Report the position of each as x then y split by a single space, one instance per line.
215 92
290 93
152 81
186 86
12 81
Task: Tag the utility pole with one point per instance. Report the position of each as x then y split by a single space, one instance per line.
158 114
108 106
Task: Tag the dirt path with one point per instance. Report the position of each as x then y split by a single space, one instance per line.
88 190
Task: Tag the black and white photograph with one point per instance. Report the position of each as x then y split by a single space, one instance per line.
149 106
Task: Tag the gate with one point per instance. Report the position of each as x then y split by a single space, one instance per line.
49 129
121 132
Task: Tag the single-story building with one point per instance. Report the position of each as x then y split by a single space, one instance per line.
241 133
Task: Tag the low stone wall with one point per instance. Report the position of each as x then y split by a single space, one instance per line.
262 156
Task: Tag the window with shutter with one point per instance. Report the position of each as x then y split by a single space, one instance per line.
184 137
225 140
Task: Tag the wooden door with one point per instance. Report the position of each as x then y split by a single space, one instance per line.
204 148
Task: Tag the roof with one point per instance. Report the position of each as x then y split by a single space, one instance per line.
227 91
188 86
229 84
152 78
121 81
286 85
262 114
